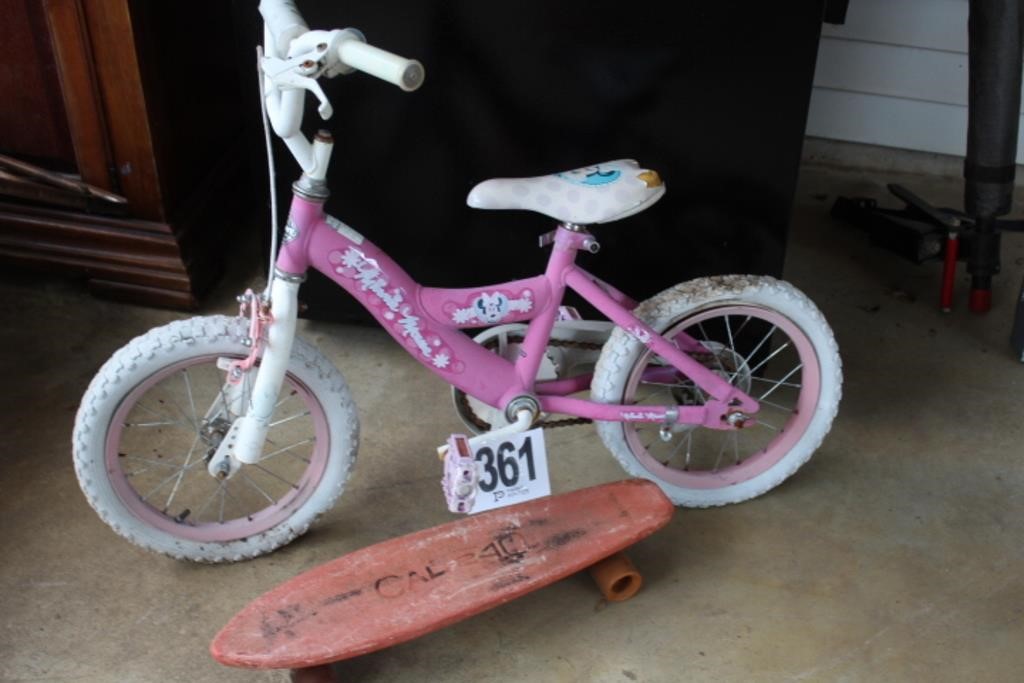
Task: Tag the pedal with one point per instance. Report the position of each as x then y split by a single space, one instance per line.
459 482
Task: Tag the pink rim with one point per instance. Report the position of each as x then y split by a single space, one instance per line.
761 461
229 530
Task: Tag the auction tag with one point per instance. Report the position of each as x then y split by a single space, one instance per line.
512 469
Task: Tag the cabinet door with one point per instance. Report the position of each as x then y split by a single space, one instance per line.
33 121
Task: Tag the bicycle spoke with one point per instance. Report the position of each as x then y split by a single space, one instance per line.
225 493
153 424
675 385
174 403
268 456
643 430
181 475
149 410
674 452
278 405
728 332
289 418
740 330
288 396
788 375
718 361
776 405
649 394
718 459
749 356
220 489
772 355
135 473
227 407
275 476
780 383
191 399
157 463
256 486
168 480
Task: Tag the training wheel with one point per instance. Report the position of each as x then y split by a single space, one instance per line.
617 577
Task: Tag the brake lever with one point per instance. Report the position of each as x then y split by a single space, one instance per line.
298 73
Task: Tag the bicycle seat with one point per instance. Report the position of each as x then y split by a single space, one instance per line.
594 194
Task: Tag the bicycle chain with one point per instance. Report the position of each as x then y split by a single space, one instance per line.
546 424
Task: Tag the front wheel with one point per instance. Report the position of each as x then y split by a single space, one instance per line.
153 416
763 336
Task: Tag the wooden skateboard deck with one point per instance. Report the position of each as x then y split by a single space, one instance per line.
409 586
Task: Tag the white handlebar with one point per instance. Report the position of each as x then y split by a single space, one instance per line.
296 57
283 22
407 74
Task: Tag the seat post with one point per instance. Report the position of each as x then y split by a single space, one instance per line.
567 239
582 238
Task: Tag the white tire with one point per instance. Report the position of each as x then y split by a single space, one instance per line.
155 411
715 476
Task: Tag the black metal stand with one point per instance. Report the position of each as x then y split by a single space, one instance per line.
920 231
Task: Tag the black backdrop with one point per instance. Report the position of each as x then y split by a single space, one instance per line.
713 95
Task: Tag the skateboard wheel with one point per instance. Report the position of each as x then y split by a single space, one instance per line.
617 577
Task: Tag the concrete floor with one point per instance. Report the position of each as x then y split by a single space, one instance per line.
894 555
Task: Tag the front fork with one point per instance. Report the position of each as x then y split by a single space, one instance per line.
244 441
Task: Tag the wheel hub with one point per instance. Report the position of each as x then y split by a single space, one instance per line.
212 432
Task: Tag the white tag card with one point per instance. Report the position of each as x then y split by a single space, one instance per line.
512 469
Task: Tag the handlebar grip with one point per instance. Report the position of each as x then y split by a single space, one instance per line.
407 74
283 21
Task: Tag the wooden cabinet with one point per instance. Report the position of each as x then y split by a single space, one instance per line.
137 98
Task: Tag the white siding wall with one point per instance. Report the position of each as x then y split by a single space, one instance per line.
895 74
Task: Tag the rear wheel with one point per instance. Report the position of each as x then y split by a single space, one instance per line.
761 335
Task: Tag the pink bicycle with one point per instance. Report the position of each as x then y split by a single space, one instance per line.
220 438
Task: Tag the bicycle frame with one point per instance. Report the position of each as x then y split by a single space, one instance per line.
428 321
178 449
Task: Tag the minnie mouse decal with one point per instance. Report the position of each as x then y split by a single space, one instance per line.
492 308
